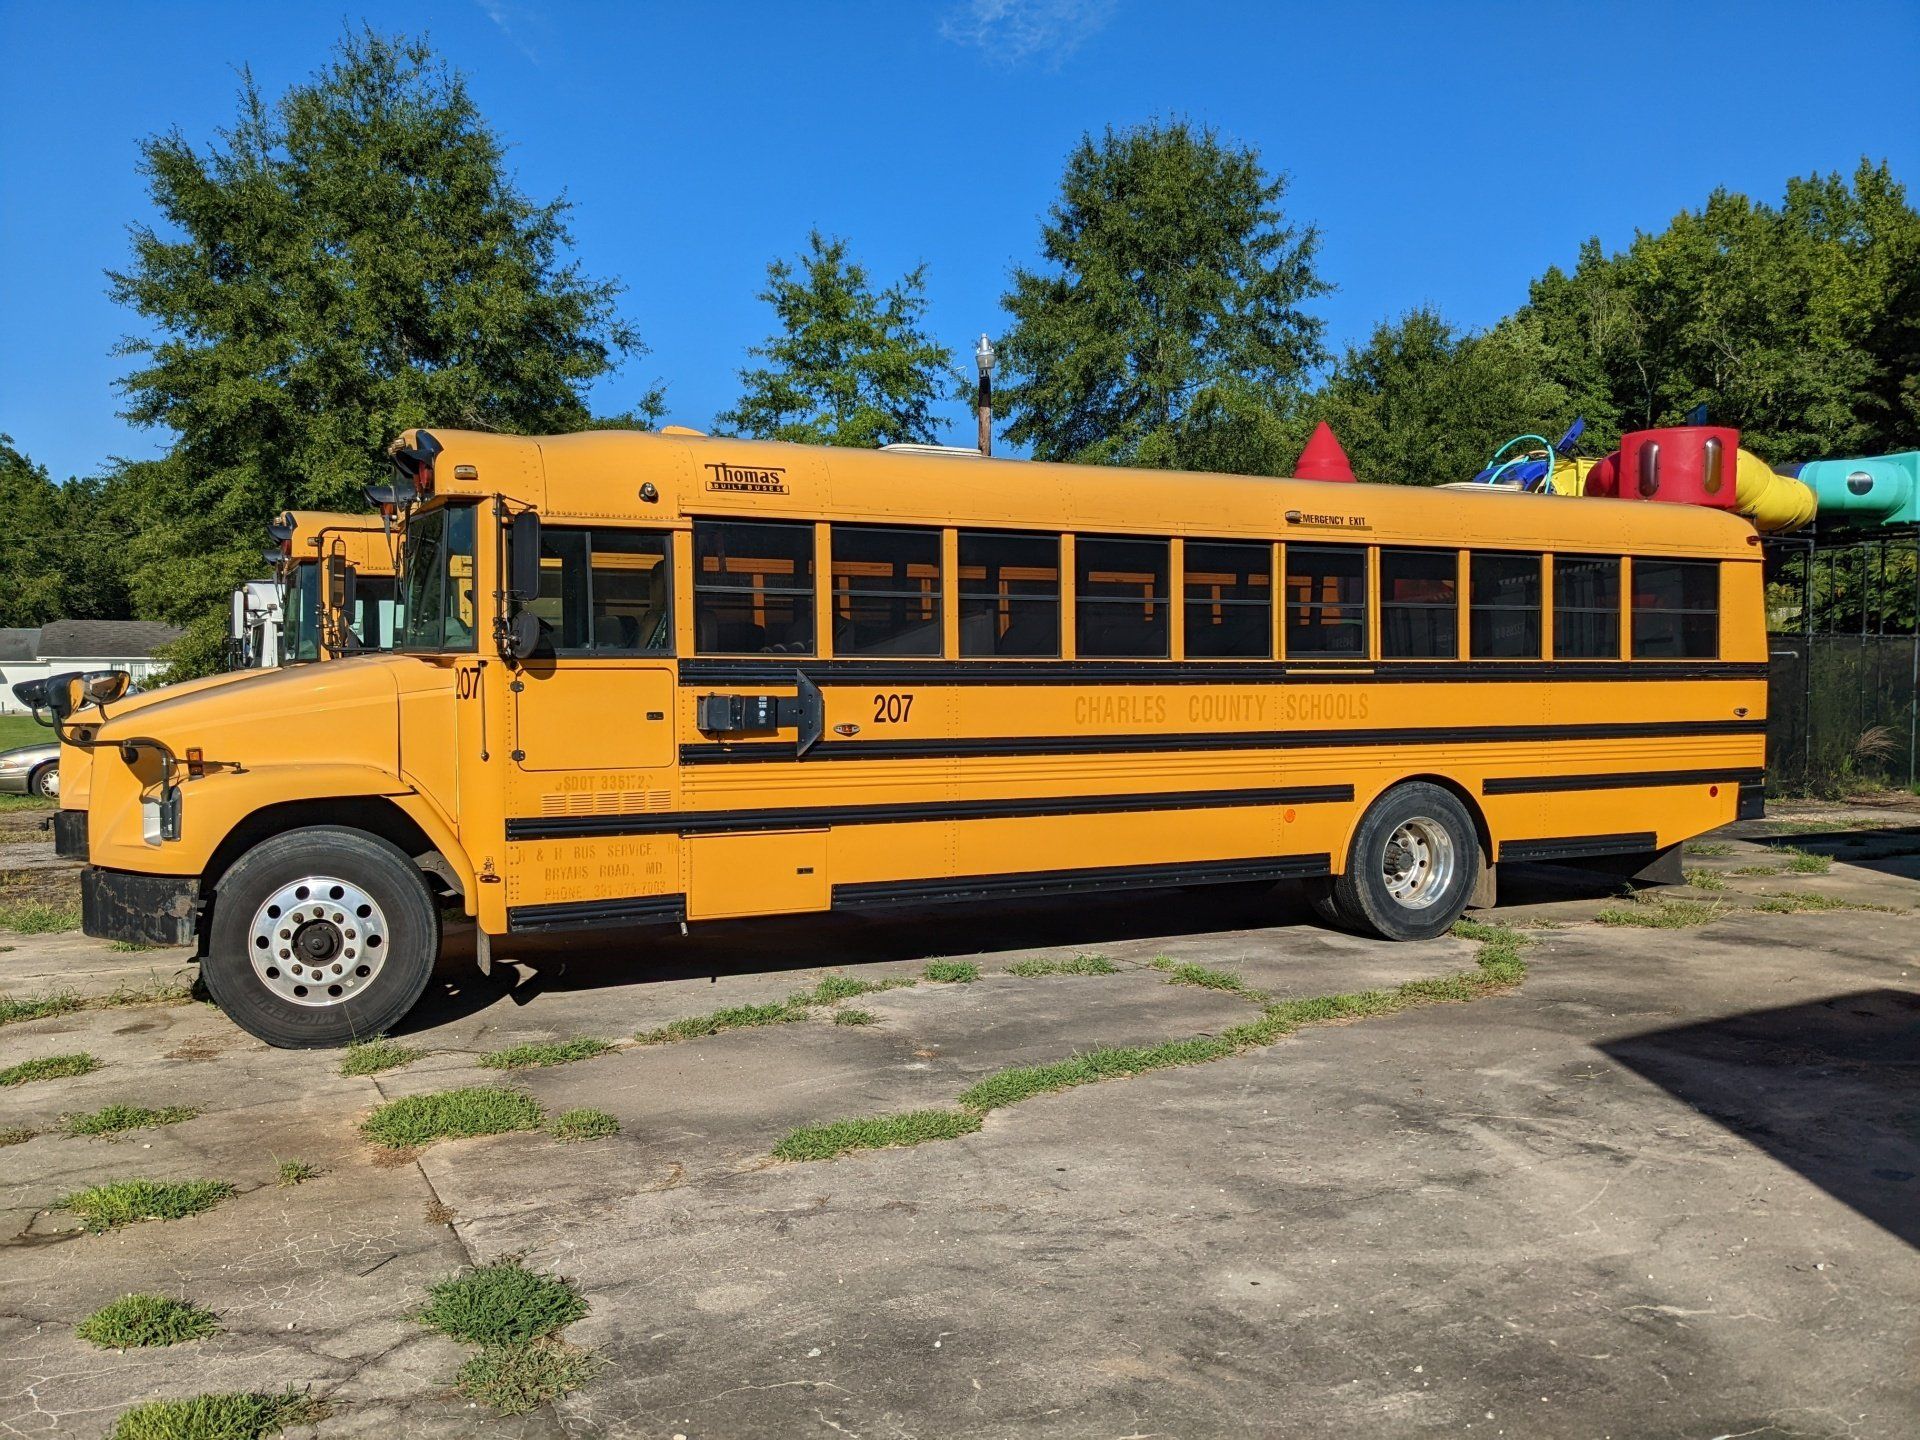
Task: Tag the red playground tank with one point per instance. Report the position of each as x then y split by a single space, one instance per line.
1680 464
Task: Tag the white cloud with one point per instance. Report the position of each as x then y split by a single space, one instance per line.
506 16
1016 31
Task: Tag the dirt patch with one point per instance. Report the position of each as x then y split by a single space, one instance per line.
438 1214
202 1047
56 887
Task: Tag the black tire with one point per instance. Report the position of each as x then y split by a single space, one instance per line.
45 781
1325 904
1362 898
395 938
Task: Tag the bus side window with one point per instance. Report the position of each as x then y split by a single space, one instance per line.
604 592
1229 593
1676 609
1326 601
1504 593
752 587
1009 594
1586 607
1419 604
1121 597
886 591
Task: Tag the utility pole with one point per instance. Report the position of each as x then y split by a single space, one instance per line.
983 397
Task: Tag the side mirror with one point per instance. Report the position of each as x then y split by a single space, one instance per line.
103 687
340 584
524 534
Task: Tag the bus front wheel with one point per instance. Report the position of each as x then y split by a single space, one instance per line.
320 937
1411 870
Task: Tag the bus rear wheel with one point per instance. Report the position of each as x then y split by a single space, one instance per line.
1412 867
320 937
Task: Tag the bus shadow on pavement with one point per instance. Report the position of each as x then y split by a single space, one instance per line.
612 959
1829 1089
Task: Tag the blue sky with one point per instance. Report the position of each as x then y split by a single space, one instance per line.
1447 152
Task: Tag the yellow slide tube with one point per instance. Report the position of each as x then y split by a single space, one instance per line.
1773 502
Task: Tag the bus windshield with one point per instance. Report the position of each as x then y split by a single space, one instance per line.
438 566
300 635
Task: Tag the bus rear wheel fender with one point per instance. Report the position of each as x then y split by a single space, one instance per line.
321 936
1412 865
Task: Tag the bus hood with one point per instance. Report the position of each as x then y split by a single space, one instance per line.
344 710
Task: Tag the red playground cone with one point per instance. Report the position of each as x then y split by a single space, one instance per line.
1323 459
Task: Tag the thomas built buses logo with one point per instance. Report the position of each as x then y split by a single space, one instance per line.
747 479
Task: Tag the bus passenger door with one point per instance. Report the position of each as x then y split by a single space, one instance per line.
592 716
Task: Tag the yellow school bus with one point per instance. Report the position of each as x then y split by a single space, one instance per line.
665 677
338 575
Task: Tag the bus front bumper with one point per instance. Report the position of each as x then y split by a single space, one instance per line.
142 909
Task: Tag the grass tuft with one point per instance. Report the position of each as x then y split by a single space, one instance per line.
64 1002
583 1124
38 1007
236 1415
876 1132
1022 1082
370 1057
1662 913
1756 870
297 1172
1802 862
504 1303
49 1067
451 1115
135 1321
834 988
952 972
16 1135
38 917
1708 847
1078 965
125 1202
118 1119
1703 879
855 1017
533 1056
1187 973
736 1017
1798 903
517 1379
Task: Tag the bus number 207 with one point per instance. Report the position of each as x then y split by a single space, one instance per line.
891 709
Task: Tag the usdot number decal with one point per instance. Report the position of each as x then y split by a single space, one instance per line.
891 709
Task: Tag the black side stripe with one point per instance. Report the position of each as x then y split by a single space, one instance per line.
881 893
1623 780
820 817
715 753
1570 847
776 671
583 914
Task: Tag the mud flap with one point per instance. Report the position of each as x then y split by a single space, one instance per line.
141 909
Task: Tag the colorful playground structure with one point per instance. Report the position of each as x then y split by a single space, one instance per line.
1687 465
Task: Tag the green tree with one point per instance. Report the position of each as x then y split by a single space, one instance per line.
340 264
847 365
61 554
1799 323
1421 403
1167 326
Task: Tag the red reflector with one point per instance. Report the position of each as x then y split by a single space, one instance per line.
1713 790
423 478
196 762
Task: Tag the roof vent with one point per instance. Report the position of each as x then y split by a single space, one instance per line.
910 447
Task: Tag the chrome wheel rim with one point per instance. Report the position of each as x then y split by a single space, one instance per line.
1419 863
318 941
50 784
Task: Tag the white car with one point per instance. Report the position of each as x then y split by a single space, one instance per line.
31 770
